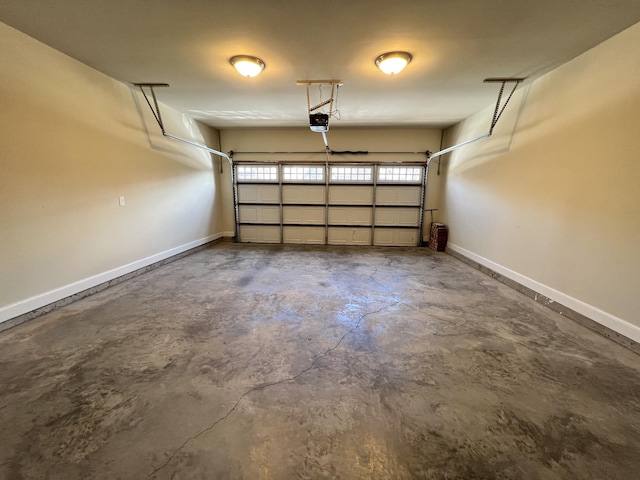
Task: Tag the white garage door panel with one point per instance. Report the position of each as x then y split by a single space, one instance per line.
313 235
350 216
303 215
395 237
398 195
303 194
259 234
258 194
349 236
350 195
259 214
406 217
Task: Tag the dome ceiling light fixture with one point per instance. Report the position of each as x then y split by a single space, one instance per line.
246 65
393 63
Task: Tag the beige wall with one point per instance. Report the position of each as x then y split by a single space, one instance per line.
553 198
72 141
339 139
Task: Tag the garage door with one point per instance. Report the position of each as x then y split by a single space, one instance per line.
336 204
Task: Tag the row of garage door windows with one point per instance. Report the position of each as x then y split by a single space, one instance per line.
308 173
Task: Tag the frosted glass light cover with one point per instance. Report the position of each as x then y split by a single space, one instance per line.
246 65
393 62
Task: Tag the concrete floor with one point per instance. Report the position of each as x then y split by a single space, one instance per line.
258 362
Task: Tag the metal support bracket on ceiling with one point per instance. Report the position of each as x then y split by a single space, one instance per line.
335 85
497 113
155 109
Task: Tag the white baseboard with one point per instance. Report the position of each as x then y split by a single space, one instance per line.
41 300
616 324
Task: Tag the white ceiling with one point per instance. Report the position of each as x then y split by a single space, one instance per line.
455 45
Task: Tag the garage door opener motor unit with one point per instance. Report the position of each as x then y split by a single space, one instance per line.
319 122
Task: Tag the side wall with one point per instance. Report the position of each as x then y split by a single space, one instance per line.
552 199
72 142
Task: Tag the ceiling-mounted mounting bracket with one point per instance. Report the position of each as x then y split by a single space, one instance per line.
497 113
155 109
319 122
334 84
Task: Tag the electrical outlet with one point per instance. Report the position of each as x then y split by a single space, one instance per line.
121 201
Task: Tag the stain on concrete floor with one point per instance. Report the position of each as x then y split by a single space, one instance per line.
259 362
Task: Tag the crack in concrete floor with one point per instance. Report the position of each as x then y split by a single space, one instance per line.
265 386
